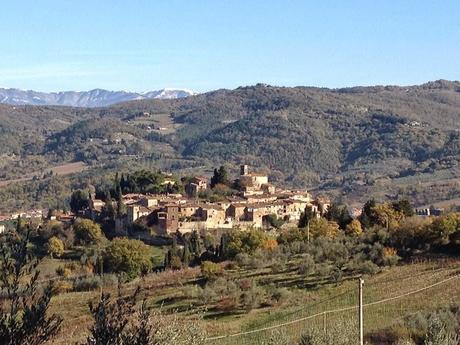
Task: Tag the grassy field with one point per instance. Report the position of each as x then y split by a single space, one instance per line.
310 304
63 169
309 300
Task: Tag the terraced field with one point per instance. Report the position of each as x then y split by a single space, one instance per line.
388 297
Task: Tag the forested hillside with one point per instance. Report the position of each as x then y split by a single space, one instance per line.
386 139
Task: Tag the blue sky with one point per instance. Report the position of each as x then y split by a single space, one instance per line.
140 45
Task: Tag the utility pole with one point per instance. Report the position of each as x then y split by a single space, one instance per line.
360 316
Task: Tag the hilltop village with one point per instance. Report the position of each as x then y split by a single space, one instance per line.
166 205
255 201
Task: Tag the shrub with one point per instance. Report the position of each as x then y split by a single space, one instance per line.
443 227
253 297
354 228
412 233
195 292
277 338
308 266
269 244
211 270
242 259
323 227
61 286
110 280
227 304
63 272
230 266
390 256
336 274
225 292
257 262
71 266
339 333
366 267
87 283
175 263
439 334
55 247
280 295
324 269
274 221
278 267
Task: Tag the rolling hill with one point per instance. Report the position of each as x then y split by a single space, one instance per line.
383 140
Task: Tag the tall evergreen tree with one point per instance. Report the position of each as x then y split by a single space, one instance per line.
195 244
174 250
368 217
186 255
116 183
109 211
19 224
120 203
338 214
220 176
307 215
123 183
404 206
223 252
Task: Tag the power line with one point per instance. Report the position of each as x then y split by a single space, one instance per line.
333 311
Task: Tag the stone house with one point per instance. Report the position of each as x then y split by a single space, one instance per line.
212 215
168 218
188 210
235 211
196 185
251 183
137 211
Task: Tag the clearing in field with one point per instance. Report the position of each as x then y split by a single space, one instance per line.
63 169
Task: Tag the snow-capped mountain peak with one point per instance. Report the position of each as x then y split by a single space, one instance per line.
92 98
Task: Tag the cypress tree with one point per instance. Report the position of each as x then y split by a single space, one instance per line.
19 224
110 211
120 204
306 216
174 247
122 183
186 255
195 244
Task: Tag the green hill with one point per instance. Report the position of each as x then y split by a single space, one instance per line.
383 140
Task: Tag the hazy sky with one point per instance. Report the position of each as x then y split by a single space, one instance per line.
140 45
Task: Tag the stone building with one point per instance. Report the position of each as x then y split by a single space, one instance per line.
196 185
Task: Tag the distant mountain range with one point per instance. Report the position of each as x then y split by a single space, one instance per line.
93 98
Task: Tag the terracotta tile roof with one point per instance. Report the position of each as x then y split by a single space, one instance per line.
211 206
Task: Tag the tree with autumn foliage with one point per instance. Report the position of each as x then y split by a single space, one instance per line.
354 228
323 227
